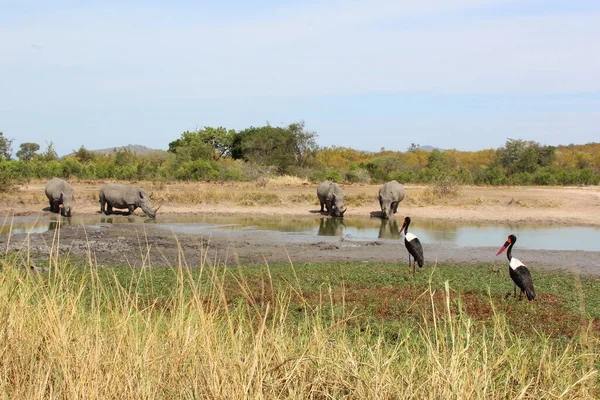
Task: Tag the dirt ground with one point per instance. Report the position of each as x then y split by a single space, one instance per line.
137 242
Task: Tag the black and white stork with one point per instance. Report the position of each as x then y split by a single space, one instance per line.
518 271
413 245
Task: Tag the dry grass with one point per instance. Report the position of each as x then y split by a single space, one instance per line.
80 335
359 199
534 203
286 180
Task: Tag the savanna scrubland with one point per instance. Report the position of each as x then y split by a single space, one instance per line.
126 311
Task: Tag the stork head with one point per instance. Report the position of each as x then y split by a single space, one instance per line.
512 239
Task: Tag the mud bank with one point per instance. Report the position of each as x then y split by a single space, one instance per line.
137 244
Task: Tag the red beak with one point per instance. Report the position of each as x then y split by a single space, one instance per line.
501 250
401 229
506 244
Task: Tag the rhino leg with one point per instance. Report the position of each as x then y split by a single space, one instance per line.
131 208
108 209
395 207
328 207
322 205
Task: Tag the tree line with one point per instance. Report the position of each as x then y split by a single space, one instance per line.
217 154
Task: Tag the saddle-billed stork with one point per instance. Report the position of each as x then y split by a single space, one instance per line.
413 245
518 271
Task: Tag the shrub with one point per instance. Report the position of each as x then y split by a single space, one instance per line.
70 167
522 178
334 176
444 186
360 175
587 176
404 176
544 178
463 176
197 170
317 176
427 175
494 176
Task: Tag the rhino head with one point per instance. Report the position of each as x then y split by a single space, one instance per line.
66 199
338 206
146 206
386 209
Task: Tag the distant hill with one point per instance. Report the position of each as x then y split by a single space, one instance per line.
429 148
134 148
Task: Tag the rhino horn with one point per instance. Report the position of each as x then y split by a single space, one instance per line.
156 209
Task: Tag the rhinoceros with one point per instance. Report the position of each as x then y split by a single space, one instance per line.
390 194
117 195
331 196
59 192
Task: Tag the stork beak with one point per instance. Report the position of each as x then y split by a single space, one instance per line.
401 229
503 247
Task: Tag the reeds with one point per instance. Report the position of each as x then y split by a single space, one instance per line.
70 333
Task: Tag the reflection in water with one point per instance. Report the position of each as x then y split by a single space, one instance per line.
331 227
388 229
428 231
437 231
119 220
57 222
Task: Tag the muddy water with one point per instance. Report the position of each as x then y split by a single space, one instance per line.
306 229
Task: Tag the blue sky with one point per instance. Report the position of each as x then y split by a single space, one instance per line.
464 74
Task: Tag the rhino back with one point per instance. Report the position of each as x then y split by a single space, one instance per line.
119 195
392 191
323 191
337 190
55 186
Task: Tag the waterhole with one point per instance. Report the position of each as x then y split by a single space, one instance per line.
546 237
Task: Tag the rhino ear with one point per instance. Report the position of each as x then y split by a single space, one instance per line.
140 194
150 195
61 195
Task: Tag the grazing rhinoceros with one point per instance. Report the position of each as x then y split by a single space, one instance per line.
331 196
131 197
59 192
390 194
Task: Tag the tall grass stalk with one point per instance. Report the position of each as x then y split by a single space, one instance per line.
73 334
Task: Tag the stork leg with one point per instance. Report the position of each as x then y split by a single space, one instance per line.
413 265
515 290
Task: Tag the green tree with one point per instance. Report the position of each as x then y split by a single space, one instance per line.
84 155
284 148
48 155
438 160
413 147
27 151
525 156
203 144
5 147
123 156
305 144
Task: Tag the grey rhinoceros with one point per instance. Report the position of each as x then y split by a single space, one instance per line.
59 192
117 195
390 194
331 196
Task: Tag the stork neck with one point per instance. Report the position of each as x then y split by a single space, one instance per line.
509 252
